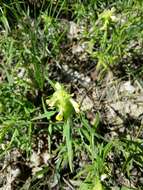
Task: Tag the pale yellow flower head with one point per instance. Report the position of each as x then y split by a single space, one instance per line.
63 102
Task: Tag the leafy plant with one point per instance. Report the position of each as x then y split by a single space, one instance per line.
94 153
110 33
66 107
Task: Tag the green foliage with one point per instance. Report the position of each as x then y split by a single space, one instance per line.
29 41
33 40
111 32
15 118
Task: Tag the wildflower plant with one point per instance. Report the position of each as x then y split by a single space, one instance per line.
64 103
66 108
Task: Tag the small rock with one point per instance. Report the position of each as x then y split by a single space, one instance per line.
35 159
73 30
46 157
87 79
87 104
21 73
15 172
127 87
118 106
77 49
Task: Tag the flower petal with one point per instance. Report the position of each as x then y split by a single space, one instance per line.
59 116
75 105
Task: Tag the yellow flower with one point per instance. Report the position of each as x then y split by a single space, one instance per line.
59 116
63 102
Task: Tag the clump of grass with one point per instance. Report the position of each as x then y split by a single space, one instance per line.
111 31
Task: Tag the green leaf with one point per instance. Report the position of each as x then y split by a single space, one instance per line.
47 114
98 185
68 138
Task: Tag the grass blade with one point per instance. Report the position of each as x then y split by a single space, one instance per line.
68 138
